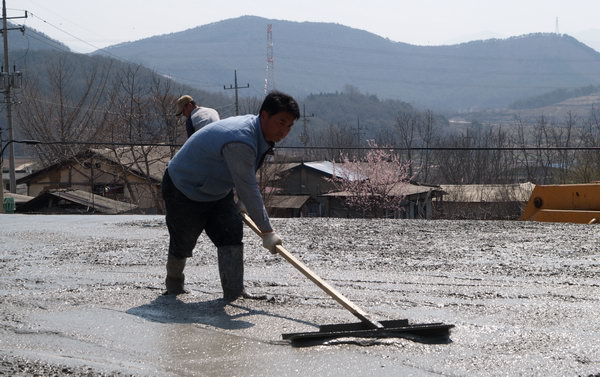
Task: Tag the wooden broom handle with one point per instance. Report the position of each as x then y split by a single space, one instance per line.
337 296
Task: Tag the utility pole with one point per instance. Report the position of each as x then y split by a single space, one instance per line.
304 138
236 87
357 131
9 81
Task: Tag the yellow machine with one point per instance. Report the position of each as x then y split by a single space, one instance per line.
564 203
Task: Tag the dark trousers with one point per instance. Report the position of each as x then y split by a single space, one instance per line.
186 219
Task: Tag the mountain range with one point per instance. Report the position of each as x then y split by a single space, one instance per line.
311 57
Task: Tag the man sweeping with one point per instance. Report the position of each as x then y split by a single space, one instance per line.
198 190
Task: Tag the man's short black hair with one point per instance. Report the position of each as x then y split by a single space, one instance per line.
276 102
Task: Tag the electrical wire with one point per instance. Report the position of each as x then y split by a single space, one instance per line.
345 148
436 84
24 56
56 14
53 45
204 84
72 35
102 110
57 46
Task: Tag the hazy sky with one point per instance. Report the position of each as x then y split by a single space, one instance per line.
85 25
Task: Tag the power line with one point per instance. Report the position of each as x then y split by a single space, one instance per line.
417 54
449 148
344 148
102 49
109 143
59 15
219 108
71 35
345 48
58 46
24 56
62 105
436 84
53 45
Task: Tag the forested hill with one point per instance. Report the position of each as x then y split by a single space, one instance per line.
27 39
556 96
314 57
94 90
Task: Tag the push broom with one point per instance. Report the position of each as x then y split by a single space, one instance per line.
368 327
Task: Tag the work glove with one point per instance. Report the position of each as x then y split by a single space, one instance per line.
270 240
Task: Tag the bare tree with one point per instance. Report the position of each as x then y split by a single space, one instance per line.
562 137
162 98
456 166
73 110
428 135
250 105
144 116
334 136
407 124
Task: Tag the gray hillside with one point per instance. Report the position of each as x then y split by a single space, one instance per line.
29 40
319 57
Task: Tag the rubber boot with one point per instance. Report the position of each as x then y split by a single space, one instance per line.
231 271
175 277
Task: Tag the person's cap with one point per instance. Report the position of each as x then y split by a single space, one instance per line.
180 104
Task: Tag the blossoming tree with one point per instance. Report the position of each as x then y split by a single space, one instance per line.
374 185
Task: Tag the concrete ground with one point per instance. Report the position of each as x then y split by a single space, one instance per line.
81 296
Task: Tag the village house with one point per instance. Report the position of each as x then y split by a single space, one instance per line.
484 202
128 174
74 202
291 206
314 179
23 167
132 175
417 202
304 179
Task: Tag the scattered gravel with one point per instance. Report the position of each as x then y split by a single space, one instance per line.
81 296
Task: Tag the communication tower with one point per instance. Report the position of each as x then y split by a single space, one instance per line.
269 76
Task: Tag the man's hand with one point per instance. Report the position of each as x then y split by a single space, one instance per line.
270 240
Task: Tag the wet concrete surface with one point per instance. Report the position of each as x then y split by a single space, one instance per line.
81 296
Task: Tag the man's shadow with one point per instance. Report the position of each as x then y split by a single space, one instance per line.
169 309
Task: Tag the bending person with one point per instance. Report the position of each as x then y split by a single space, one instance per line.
198 190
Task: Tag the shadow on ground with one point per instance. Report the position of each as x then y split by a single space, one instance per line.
169 309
